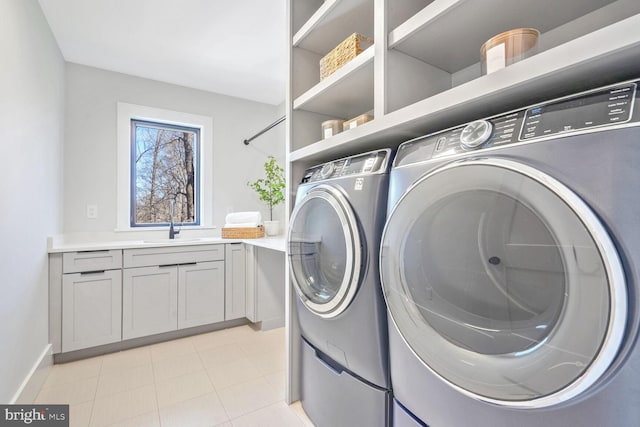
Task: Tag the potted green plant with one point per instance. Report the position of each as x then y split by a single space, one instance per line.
270 189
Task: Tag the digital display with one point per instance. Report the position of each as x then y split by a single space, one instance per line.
606 107
359 165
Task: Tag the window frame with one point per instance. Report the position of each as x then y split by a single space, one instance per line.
133 181
125 114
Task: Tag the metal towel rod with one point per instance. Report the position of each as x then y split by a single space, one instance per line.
272 125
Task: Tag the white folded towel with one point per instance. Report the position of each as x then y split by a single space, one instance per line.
243 218
242 225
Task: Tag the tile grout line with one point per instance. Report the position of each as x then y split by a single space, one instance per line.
155 388
236 341
95 393
132 390
215 389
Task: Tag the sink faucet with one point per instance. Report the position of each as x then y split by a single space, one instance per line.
172 230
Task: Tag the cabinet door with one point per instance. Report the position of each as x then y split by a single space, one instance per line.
269 285
149 301
91 309
251 291
236 282
200 293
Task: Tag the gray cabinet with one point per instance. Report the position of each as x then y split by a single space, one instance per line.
201 293
236 282
104 296
89 291
165 289
265 287
91 309
149 301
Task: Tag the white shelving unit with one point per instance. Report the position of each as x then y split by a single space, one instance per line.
431 70
423 75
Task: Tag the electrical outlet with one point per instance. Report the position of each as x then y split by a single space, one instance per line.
92 211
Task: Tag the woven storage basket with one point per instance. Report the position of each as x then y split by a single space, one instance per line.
242 233
351 47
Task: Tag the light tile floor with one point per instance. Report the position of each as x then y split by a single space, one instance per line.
231 378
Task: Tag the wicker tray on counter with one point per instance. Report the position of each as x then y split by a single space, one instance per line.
242 233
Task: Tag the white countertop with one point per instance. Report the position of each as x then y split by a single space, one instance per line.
277 243
58 244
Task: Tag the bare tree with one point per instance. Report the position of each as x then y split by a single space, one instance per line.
188 166
154 171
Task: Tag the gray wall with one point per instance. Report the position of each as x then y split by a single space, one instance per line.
31 137
90 147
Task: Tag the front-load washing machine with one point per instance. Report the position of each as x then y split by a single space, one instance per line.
510 263
334 238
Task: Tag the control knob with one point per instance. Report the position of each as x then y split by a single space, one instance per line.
327 170
475 134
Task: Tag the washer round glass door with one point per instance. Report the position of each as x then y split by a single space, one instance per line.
324 251
503 283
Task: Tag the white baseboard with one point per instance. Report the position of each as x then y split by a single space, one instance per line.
32 384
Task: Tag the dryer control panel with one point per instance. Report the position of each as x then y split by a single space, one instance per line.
594 110
363 164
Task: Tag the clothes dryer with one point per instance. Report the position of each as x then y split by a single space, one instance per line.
334 238
510 263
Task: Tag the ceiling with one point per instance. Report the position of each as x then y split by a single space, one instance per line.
235 48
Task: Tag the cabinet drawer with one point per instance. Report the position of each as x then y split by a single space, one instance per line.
78 262
324 385
176 255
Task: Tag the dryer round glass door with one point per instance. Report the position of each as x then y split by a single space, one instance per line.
324 251
504 283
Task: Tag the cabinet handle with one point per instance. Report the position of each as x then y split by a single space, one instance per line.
93 252
85 273
177 265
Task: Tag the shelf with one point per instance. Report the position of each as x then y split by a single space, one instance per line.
333 22
346 93
447 34
323 12
605 56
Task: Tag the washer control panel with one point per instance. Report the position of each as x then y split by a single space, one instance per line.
599 108
363 164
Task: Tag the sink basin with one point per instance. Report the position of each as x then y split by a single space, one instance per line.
194 239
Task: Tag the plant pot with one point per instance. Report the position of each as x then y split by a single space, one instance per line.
271 228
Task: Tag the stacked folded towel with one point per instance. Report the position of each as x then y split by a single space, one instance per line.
243 220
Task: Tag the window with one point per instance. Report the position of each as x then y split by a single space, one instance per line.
165 174
154 147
